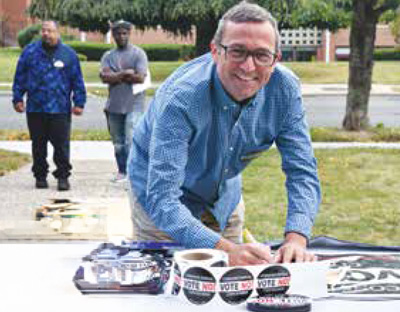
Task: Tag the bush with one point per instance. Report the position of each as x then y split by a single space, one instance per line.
93 51
155 52
168 52
29 34
162 52
392 54
68 37
187 52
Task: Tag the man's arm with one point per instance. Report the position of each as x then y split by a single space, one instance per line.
172 132
19 87
127 76
302 184
139 73
110 77
130 76
78 88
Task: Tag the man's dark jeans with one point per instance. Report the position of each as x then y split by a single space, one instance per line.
56 129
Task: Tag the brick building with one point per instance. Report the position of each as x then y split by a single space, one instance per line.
12 20
384 39
314 44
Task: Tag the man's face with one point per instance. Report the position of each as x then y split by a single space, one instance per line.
121 37
50 34
242 79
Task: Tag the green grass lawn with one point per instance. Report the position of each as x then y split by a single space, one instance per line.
361 195
10 161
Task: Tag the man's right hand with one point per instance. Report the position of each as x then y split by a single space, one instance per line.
245 254
19 107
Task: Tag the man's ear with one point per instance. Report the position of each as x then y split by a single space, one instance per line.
278 57
214 50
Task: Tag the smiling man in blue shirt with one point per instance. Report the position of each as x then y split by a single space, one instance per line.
208 120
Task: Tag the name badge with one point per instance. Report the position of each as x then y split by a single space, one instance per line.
58 64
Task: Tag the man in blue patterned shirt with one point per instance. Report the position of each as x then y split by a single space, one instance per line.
208 120
49 73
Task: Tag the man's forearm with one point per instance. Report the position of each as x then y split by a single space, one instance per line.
111 77
133 78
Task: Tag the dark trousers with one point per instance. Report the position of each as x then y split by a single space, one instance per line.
56 129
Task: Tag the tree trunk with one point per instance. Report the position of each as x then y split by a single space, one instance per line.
362 40
204 34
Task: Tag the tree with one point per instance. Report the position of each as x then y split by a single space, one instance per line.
44 9
87 15
365 18
180 16
395 26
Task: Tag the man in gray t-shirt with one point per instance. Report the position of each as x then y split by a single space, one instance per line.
121 68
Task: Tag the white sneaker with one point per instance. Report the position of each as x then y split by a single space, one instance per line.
120 177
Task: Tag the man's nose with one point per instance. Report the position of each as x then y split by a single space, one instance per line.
249 63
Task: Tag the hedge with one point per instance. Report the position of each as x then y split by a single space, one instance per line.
389 54
155 52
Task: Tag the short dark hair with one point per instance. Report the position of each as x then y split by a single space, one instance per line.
121 24
51 21
244 12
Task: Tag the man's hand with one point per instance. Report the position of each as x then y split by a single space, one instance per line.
294 249
130 76
110 77
19 107
245 254
77 110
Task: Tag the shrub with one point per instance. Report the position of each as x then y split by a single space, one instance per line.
161 52
29 34
93 51
391 54
187 52
68 37
168 52
155 52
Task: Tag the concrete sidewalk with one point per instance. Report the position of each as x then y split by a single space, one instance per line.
93 168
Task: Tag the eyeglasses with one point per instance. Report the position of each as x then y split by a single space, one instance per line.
261 57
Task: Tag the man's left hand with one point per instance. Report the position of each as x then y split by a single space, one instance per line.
294 249
77 110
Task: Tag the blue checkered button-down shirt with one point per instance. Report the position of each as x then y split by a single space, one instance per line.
194 141
49 80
